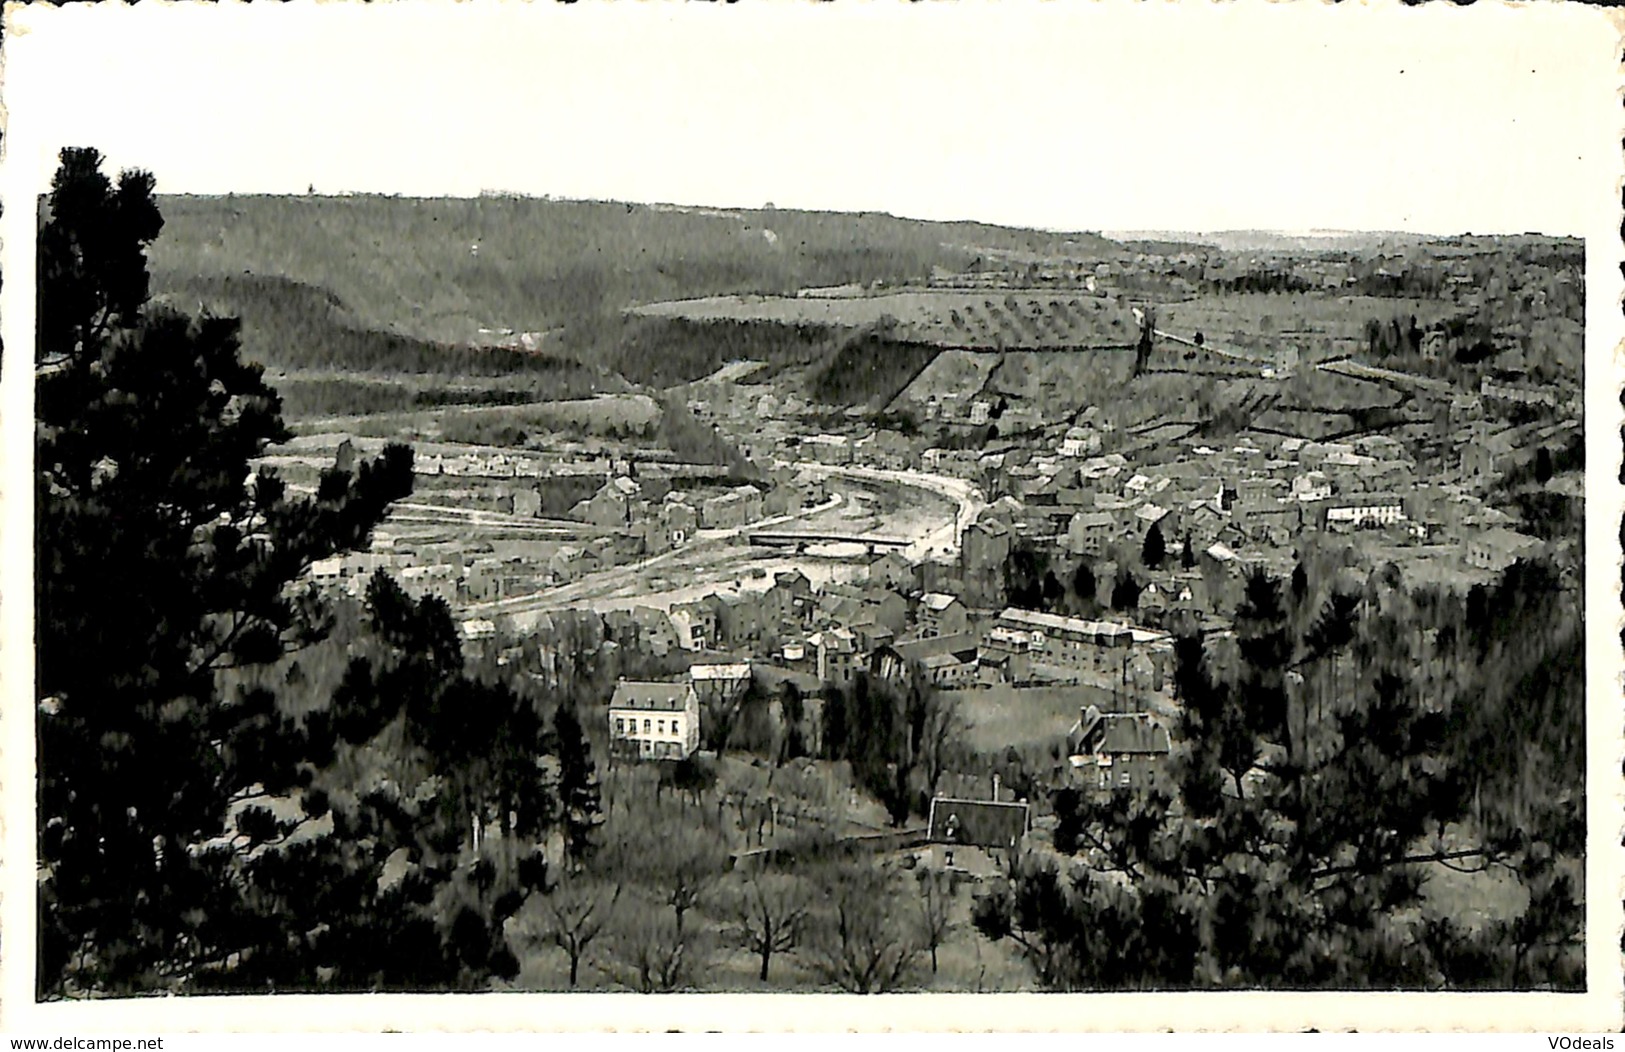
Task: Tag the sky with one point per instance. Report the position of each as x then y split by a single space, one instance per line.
1078 117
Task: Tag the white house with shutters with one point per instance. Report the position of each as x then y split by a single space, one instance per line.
655 721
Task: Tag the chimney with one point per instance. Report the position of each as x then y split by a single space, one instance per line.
995 787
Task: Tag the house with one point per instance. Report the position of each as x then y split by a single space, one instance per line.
897 660
1485 456
1090 532
751 501
1362 511
1271 522
948 671
1069 646
525 502
916 650
884 607
327 573
478 630
733 509
650 629
1005 656
1149 515
1311 486
1496 549
869 636
738 618
696 625
611 505
1465 407
883 449
1204 522
790 602
1518 394
938 573
482 580
1222 574
440 579
828 449
678 519
836 655
941 615
1080 442
891 570
655 721
965 833
1117 750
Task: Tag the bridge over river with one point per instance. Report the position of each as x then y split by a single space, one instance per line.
801 539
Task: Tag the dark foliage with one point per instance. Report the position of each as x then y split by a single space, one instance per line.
197 829
1292 842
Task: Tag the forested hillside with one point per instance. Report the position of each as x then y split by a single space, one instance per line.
441 270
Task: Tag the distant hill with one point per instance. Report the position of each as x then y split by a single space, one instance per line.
442 270
1279 240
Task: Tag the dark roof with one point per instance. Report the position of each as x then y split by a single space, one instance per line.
657 697
1121 734
978 823
920 649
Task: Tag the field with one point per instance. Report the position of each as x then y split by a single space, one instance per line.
1003 715
1321 326
945 317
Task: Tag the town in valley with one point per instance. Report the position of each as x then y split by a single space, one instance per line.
862 604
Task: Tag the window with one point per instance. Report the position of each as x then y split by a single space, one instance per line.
661 727
676 729
1127 778
645 726
620 726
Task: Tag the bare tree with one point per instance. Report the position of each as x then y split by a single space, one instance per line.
648 950
935 905
570 917
769 914
681 869
942 729
860 944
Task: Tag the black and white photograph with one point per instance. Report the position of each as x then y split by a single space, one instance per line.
547 500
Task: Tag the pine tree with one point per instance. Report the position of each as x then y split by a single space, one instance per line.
1084 585
158 558
578 786
1126 592
1155 548
1543 465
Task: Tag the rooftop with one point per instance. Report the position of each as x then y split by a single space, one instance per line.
740 670
658 697
978 823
